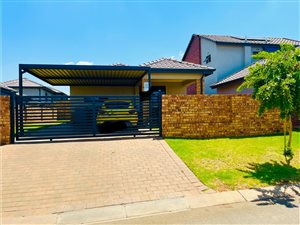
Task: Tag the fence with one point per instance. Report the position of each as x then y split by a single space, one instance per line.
209 116
5 123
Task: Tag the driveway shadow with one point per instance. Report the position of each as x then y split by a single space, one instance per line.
280 194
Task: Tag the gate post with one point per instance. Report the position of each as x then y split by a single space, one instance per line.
12 116
160 112
17 116
21 71
94 120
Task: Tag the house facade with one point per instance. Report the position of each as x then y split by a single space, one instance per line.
167 75
230 84
228 55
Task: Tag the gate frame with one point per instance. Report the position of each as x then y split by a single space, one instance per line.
19 118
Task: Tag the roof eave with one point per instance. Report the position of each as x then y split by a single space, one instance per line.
244 43
216 85
205 72
26 67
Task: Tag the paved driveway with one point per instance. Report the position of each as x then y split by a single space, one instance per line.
64 176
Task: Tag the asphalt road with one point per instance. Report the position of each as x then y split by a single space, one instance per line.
239 213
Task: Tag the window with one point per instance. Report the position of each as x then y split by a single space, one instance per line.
146 86
207 59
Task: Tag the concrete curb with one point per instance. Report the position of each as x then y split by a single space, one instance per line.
141 209
184 169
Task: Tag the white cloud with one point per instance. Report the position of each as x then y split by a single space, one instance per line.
69 63
84 63
80 63
180 55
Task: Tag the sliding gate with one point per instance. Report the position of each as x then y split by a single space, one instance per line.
53 117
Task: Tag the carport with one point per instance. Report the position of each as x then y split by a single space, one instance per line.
50 117
80 75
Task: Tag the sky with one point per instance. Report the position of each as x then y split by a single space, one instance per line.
130 32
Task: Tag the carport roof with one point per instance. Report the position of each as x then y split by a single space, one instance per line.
108 75
86 75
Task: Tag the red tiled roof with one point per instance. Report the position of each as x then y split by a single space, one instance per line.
28 84
174 64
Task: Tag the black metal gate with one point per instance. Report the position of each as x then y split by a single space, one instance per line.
53 117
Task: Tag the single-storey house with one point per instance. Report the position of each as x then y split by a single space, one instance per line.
104 100
32 88
4 90
169 76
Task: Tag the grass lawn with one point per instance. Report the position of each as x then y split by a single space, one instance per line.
239 163
35 126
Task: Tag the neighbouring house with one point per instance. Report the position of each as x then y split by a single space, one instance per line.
229 55
4 90
31 88
230 84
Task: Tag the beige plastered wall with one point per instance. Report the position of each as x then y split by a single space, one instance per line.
104 90
175 83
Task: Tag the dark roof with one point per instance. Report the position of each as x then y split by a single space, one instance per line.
109 75
236 76
86 75
30 84
247 40
227 39
6 90
168 63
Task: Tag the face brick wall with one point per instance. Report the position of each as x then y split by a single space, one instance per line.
207 116
193 53
4 120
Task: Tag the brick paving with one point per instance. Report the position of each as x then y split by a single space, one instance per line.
44 178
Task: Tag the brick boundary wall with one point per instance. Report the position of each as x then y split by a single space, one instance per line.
210 116
4 120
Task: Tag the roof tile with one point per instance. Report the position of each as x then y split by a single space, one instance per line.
244 40
173 64
236 76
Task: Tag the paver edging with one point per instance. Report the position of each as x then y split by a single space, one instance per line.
184 169
163 205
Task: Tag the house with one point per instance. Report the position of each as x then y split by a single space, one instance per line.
31 88
105 100
230 84
4 90
229 55
167 75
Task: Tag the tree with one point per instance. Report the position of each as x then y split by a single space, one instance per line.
275 80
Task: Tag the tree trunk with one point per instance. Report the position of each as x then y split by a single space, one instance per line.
287 152
284 133
290 132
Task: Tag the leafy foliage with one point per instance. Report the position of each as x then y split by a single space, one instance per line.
275 80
